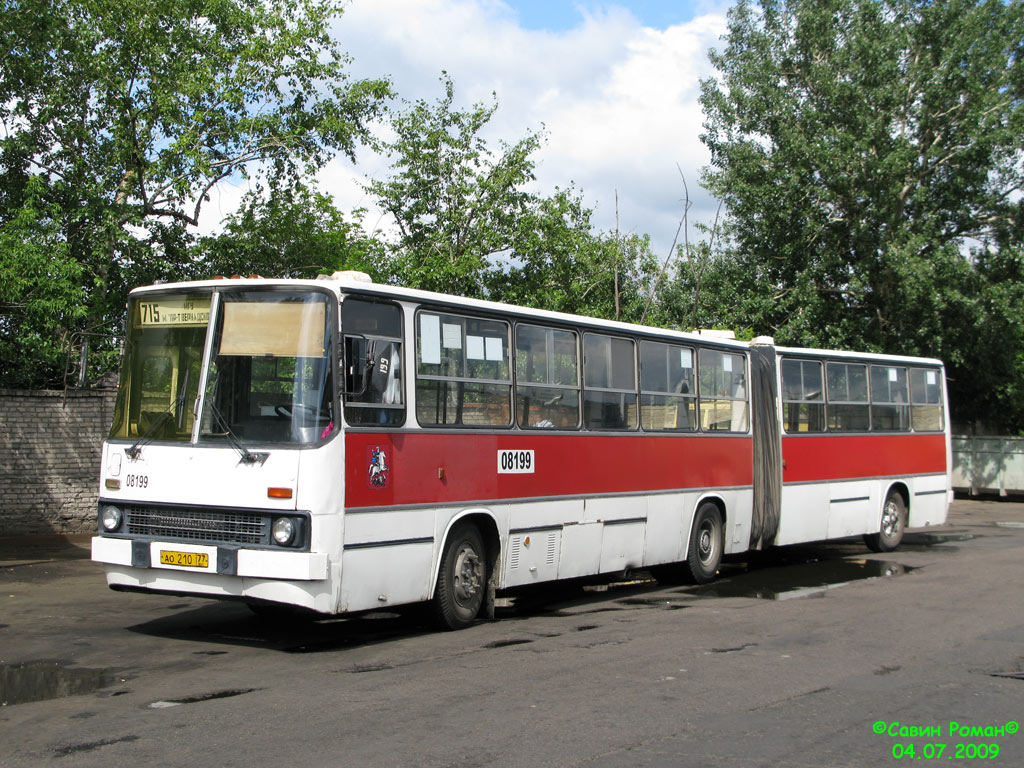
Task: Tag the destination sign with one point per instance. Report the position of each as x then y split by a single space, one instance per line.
174 311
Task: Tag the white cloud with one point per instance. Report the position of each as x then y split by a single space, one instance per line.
618 100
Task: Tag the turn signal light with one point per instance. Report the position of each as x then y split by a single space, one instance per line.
279 493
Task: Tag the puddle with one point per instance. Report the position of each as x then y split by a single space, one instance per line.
798 580
360 668
506 643
931 539
668 603
44 680
89 746
202 697
1009 524
734 649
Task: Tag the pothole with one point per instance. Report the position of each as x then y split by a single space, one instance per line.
44 680
669 603
163 704
508 642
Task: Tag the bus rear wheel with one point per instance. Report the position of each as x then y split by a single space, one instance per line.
462 580
706 543
894 520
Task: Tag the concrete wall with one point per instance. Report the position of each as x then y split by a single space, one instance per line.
50 459
988 464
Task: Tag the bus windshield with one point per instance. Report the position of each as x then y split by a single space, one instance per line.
269 378
163 355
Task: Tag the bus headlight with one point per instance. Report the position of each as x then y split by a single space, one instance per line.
110 518
283 531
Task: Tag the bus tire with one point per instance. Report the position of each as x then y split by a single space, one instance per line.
462 579
894 520
706 543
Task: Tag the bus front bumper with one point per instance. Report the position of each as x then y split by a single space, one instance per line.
225 561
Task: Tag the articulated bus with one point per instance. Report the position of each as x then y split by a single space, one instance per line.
341 446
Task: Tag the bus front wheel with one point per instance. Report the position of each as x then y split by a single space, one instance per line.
706 544
462 580
894 520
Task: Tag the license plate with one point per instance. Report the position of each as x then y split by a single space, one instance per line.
185 559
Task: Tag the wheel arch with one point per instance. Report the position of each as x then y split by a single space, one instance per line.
715 499
485 522
902 489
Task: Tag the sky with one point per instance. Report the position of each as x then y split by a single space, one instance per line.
613 86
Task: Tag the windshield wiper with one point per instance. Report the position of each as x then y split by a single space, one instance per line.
146 437
248 457
178 404
179 401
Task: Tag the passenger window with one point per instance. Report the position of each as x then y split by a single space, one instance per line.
848 408
803 396
668 387
723 391
463 373
926 400
372 354
547 378
890 403
609 386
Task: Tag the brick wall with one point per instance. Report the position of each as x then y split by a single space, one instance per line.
50 459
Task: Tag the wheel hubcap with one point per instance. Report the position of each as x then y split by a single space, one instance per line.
468 579
705 543
890 518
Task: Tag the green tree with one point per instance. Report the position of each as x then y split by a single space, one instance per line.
467 223
41 295
862 148
293 232
124 114
558 263
455 203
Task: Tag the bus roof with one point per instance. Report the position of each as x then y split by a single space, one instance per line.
345 284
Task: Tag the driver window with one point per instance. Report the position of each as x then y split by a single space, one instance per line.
372 359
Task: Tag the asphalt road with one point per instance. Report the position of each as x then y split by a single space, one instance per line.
822 655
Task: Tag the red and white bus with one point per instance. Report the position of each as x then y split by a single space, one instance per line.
344 446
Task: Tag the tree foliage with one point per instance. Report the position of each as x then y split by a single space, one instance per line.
468 223
292 232
121 115
455 203
871 158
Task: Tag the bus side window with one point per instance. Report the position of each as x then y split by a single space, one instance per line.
890 403
547 378
668 392
926 400
463 371
803 396
609 382
848 409
722 383
372 359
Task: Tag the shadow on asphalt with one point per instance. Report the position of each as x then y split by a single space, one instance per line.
775 574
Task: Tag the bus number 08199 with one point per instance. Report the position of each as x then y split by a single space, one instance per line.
515 462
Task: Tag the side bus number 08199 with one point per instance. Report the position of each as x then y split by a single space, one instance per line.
515 462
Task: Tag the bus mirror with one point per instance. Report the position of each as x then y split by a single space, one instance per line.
380 359
356 381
